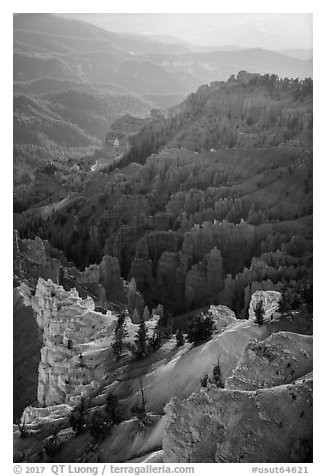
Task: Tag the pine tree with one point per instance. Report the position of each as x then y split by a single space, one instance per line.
120 333
140 410
259 313
78 416
204 381
113 410
201 329
99 427
156 340
217 376
24 433
141 341
179 338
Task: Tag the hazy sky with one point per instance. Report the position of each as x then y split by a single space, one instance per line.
266 30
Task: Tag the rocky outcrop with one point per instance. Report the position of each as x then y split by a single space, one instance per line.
222 317
265 285
277 360
270 300
77 343
233 426
55 415
245 77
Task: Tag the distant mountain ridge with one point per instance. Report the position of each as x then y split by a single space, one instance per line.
72 80
73 50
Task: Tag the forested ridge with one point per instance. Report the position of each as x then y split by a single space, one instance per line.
248 111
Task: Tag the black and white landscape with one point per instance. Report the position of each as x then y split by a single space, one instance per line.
162 239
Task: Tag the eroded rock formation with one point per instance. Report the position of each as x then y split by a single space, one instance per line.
234 426
77 343
69 326
222 317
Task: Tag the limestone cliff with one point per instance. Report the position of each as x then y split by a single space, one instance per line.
77 343
69 326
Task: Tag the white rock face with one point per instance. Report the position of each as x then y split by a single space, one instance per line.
77 343
222 317
270 300
69 325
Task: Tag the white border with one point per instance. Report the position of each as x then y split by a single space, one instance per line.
319 178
